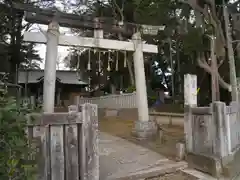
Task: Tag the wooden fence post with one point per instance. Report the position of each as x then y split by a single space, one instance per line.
89 139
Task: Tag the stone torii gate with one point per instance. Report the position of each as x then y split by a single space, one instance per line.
52 38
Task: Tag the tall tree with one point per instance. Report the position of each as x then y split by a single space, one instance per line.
132 12
11 33
209 21
184 45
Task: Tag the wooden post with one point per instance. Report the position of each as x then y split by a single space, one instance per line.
90 141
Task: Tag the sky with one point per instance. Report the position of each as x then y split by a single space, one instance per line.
62 51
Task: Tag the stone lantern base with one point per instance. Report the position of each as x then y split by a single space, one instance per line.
145 129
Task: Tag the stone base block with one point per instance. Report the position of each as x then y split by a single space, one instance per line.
227 167
209 165
231 165
145 129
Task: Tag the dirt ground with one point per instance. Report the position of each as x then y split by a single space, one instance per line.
166 146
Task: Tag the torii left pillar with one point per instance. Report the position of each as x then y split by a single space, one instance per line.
144 127
50 67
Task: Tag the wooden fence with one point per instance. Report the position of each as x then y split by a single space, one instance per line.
111 101
67 143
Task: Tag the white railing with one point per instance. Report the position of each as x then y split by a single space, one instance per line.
110 101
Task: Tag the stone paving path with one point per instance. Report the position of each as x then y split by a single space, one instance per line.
120 159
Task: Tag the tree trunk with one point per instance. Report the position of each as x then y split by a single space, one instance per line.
214 66
233 78
237 61
15 59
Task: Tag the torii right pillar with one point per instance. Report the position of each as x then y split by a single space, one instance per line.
144 127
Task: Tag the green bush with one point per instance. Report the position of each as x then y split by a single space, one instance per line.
15 148
130 89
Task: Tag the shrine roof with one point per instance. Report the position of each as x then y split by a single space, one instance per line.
63 76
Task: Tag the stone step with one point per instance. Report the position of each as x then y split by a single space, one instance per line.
197 174
159 170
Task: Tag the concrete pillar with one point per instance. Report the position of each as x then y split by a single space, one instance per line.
98 33
50 67
190 90
143 127
140 79
190 100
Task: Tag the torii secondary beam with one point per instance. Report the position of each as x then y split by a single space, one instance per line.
86 42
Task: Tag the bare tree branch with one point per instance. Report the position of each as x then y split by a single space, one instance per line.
120 10
195 6
203 64
210 14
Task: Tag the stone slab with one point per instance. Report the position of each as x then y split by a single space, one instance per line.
228 167
200 175
121 159
231 169
206 164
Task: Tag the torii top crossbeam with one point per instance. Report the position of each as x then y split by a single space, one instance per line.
44 16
